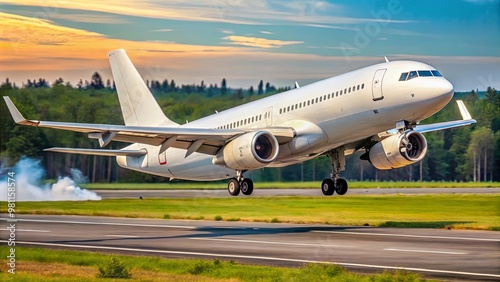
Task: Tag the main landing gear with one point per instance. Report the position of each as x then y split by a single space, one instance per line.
335 183
237 184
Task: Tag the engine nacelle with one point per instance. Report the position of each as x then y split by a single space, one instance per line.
249 151
398 150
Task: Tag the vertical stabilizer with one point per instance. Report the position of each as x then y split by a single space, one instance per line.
139 107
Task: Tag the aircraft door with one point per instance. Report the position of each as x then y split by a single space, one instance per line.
269 116
377 85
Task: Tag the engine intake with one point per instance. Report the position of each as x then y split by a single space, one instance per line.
249 151
398 150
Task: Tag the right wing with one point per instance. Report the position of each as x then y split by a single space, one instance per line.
203 140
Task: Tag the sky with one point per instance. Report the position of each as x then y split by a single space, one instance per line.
246 41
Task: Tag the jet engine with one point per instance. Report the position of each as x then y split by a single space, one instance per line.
249 151
398 150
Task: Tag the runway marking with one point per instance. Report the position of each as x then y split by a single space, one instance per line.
123 236
407 235
28 230
267 242
259 257
425 251
107 223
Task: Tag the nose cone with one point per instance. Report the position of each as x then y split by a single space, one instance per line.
437 89
444 88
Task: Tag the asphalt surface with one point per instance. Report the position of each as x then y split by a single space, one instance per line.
285 192
443 254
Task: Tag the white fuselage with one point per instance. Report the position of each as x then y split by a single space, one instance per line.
333 112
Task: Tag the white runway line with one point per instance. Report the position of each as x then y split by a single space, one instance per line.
425 251
259 258
27 230
407 235
107 223
123 236
268 242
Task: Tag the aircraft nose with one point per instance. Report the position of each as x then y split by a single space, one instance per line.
444 88
440 88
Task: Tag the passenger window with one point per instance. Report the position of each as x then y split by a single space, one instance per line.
337 94
341 92
316 100
435 73
320 99
308 102
260 117
403 76
349 89
358 87
412 74
424 73
362 86
288 109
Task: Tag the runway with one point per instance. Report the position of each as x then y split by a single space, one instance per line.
444 254
210 193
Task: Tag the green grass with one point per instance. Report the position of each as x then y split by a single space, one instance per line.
36 264
458 211
286 185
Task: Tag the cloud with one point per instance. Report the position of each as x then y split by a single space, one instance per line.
266 32
164 30
256 12
258 42
19 29
90 18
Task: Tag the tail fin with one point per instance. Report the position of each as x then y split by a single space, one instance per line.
139 107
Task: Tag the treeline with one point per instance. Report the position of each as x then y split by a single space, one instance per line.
465 154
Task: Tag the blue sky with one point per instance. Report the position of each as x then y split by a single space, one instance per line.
245 41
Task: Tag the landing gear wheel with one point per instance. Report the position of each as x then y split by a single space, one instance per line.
327 187
233 187
246 186
341 186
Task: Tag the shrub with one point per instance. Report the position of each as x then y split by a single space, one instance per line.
218 218
114 269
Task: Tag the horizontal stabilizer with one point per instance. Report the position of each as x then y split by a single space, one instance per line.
99 152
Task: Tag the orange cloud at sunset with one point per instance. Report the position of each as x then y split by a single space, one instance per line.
258 42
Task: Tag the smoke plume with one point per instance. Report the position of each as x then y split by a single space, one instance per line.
29 176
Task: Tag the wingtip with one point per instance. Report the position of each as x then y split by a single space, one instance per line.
14 112
463 110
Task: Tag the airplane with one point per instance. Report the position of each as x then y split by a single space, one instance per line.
375 109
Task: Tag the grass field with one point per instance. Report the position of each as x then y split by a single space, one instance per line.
288 185
35 264
457 211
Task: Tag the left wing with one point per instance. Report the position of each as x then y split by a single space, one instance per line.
466 120
203 140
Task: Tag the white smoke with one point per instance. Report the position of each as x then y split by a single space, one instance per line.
28 179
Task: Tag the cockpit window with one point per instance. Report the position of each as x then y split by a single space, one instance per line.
424 73
435 73
413 74
403 76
